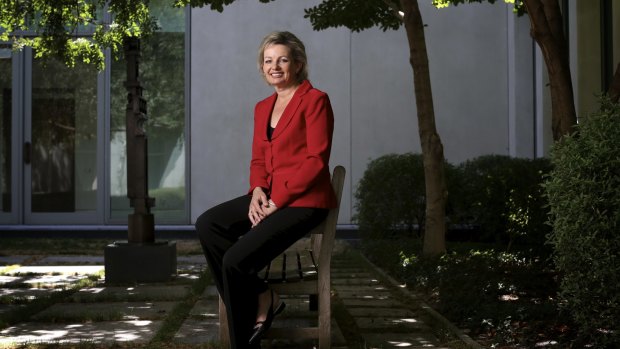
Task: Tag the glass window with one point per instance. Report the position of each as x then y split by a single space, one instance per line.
5 128
63 154
162 75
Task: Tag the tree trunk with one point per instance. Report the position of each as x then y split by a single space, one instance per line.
432 149
614 89
547 29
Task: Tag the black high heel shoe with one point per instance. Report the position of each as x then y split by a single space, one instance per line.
262 326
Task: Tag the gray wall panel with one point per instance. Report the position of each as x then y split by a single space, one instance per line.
370 83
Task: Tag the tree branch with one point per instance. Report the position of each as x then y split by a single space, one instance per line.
394 9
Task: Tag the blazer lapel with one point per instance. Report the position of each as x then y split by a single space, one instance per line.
291 108
265 115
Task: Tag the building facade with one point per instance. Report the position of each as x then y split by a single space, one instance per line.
62 145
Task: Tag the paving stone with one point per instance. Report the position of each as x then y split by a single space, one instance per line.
210 292
399 340
113 311
364 295
52 281
133 293
361 288
27 293
337 337
195 269
349 268
379 312
346 281
290 344
12 260
383 321
198 331
4 308
185 278
6 280
341 274
140 331
297 307
405 324
370 302
198 260
206 309
71 260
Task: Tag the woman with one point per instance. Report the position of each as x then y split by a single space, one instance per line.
290 190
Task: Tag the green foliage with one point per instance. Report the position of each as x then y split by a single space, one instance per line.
584 198
353 14
216 5
59 28
390 196
503 196
519 7
79 30
500 195
162 70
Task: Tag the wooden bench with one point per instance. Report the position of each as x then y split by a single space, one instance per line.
303 272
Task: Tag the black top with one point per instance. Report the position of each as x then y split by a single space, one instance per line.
270 131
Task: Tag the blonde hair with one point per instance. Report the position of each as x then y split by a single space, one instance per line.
297 48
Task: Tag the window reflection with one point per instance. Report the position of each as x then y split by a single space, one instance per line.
63 152
162 74
5 129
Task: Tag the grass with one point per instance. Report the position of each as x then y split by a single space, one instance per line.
77 246
43 246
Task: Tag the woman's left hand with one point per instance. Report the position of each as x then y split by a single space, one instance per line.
266 210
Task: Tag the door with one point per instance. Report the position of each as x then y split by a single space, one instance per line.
61 162
7 130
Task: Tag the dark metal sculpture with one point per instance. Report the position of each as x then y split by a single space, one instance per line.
141 224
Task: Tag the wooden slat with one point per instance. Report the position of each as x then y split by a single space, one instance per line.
295 288
264 274
299 270
283 267
306 259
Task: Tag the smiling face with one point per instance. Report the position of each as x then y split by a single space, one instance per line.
279 69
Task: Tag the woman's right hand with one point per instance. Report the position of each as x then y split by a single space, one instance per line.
259 199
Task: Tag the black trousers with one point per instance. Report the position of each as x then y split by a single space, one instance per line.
236 252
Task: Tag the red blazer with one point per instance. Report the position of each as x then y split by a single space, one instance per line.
294 166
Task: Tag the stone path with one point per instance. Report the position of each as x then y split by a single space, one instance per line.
368 313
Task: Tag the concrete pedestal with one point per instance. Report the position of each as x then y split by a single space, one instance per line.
140 262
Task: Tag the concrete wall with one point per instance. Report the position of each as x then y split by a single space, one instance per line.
480 108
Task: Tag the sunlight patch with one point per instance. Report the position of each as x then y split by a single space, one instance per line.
509 297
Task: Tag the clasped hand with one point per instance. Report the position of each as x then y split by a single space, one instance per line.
259 206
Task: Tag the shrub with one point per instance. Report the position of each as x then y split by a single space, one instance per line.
504 295
503 197
168 198
584 198
390 196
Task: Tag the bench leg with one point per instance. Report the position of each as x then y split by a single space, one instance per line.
325 314
224 338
